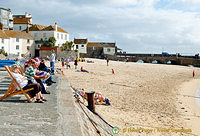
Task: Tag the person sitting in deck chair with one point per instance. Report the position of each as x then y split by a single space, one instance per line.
23 82
32 75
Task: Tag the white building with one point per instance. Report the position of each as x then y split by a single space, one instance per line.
45 32
17 44
21 22
6 18
97 49
80 45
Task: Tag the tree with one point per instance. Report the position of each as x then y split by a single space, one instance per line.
3 52
67 46
48 43
52 41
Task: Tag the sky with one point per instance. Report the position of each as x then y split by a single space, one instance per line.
137 26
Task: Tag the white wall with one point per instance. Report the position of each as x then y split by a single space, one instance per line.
5 45
12 47
23 27
26 45
61 38
46 34
109 50
80 48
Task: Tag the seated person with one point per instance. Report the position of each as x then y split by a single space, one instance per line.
43 67
31 74
83 70
23 82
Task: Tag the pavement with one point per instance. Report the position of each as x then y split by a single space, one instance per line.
20 118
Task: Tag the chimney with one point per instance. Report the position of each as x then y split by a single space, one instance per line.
1 26
56 27
27 30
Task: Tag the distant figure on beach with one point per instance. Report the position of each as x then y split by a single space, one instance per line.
75 63
107 61
63 62
193 73
67 63
83 70
113 72
126 59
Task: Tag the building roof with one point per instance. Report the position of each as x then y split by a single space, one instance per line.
100 44
21 21
38 27
80 41
3 35
15 34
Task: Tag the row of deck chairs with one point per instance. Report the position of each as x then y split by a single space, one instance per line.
12 89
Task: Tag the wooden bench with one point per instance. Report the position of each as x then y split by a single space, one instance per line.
12 89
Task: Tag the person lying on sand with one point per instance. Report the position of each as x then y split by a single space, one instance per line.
98 98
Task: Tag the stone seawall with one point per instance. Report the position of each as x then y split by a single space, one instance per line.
72 118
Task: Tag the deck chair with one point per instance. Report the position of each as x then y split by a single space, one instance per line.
12 89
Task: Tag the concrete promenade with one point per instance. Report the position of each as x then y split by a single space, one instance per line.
20 118
59 116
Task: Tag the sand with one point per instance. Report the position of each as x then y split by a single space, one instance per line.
146 99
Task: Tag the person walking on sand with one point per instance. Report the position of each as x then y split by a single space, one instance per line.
52 60
75 63
107 61
63 62
193 73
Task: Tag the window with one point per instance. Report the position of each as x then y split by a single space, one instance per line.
17 39
2 40
94 48
82 45
20 27
61 36
76 46
18 53
17 47
108 50
28 40
82 41
28 48
57 35
65 37
2 47
38 46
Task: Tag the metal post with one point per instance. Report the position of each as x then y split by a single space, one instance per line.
91 104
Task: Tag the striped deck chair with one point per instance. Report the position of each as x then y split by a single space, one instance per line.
12 89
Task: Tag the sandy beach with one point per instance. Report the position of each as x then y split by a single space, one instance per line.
146 99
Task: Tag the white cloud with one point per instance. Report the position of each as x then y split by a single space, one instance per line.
135 25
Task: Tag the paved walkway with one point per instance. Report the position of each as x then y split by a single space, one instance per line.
20 118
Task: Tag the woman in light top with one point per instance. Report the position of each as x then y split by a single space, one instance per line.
23 82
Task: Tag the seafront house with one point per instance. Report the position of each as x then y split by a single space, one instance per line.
80 45
100 49
21 22
42 34
6 18
16 44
